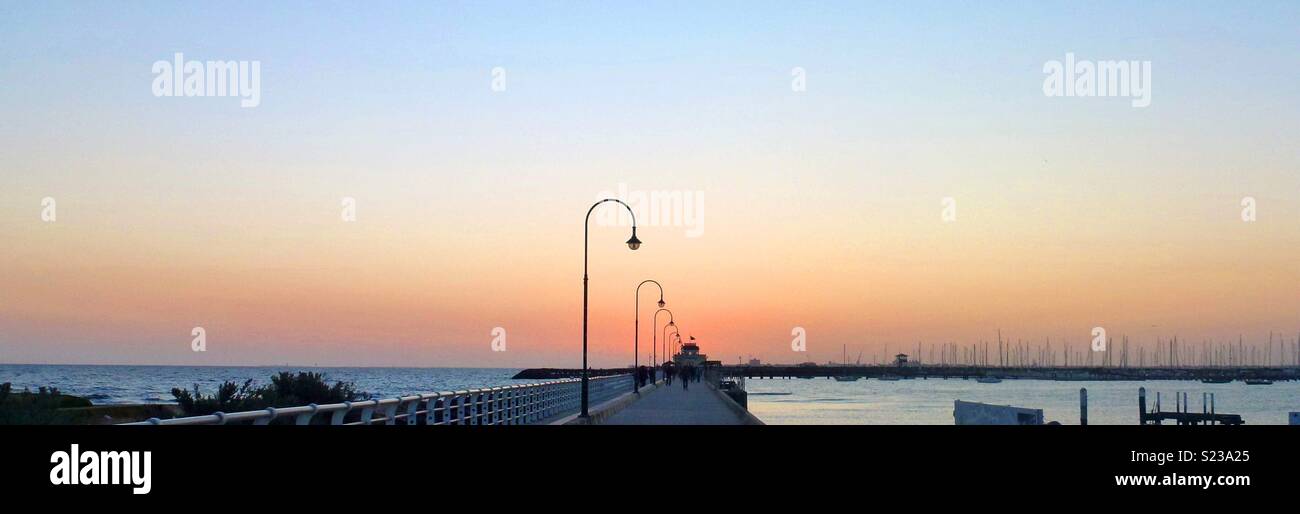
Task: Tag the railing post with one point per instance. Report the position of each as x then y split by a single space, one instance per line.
527 409
443 409
537 409
412 409
368 412
305 418
390 413
510 407
519 404
535 400
270 416
337 417
548 397
438 416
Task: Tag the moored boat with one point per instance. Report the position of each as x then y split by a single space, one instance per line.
844 358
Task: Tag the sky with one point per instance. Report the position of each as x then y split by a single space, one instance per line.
820 146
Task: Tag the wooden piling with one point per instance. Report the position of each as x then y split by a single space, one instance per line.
1083 406
1142 405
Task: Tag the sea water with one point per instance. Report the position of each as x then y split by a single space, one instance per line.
930 401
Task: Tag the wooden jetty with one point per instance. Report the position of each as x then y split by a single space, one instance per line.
1181 414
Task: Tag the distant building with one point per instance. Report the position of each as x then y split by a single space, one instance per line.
755 362
690 355
900 359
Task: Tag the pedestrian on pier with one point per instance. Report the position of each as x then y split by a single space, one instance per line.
686 377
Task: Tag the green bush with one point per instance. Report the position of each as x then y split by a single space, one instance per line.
285 390
28 408
230 397
288 389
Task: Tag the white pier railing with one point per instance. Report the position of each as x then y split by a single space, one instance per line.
507 405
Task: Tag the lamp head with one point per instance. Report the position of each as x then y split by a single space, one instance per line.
661 303
634 243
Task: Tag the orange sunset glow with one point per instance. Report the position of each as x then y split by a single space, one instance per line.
820 208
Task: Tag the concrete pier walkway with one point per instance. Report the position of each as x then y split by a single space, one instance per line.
670 405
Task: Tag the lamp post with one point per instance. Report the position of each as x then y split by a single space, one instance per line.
636 334
673 326
654 324
632 243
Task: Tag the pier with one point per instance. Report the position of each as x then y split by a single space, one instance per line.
968 372
1023 373
1182 415
548 403
702 404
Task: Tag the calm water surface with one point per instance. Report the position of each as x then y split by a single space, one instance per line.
815 401
930 402
153 384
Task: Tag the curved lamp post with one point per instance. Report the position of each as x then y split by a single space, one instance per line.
636 337
654 324
676 332
632 243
